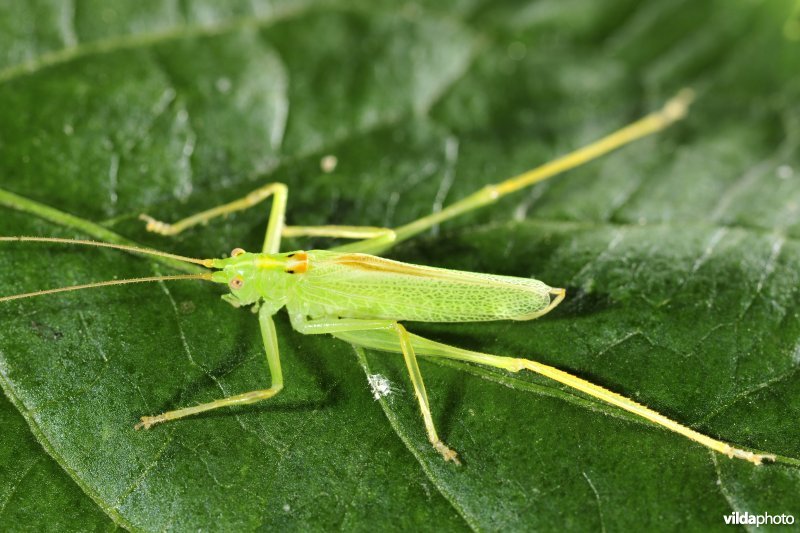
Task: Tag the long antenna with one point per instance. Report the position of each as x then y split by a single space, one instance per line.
135 249
105 284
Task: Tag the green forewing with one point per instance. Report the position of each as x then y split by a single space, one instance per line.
365 286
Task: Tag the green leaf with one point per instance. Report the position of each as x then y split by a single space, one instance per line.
678 254
34 490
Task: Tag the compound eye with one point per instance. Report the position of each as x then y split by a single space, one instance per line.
237 251
236 283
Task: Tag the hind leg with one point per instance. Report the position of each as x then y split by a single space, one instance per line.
379 341
674 110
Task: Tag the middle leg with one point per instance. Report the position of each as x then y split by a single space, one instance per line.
402 341
272 239
276 227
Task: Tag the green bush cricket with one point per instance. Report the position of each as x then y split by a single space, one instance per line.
361 298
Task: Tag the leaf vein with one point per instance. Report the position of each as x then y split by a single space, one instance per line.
15 486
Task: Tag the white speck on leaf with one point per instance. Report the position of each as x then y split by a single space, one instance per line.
785 172
223 85
380 386
328 163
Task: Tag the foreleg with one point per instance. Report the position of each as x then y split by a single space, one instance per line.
270 340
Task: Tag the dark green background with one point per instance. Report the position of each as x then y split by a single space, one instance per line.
679 254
